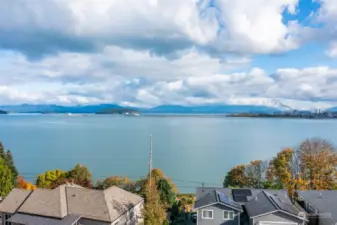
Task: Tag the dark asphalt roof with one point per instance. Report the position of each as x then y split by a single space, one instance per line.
207 196
202 191
324 201
271 201
27 219
259 205
207 199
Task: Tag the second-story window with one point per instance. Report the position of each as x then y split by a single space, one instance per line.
228 215
207 214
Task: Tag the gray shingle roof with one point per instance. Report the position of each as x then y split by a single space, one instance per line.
324 201
13 200
105 205
208 196
45 202
268 201
65 200
256 201
38 220
260 204
202 191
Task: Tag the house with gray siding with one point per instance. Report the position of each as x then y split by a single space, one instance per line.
321 206
215 206
71 205
247 207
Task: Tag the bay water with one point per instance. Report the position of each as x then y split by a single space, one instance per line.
190 149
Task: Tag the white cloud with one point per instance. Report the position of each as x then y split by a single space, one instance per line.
150 52
163 27
332 52
257 26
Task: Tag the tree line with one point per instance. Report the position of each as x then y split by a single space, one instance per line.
159 192
310 166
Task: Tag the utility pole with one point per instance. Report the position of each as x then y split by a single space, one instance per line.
150 162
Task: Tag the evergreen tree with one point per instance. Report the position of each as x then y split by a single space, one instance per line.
10 163
167 195
2 151
6 179
7 158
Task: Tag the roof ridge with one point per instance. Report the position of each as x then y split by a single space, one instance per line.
23 202
66 193
216 195
270 200
107 202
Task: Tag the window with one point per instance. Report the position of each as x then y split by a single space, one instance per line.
207 214
228 215
7 216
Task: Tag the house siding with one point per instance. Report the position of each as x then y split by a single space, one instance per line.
277 217
91 222
217 216
325 221
133 217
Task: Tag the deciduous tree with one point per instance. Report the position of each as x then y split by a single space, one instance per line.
80 175
153 212
121 182
21 183
318 163
255 173
236 177
47 179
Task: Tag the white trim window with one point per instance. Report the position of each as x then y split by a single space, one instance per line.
207 214
228 215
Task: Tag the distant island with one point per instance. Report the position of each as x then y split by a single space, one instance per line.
120 111
3 112
289 114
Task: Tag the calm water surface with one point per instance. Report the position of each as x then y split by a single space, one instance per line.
190 150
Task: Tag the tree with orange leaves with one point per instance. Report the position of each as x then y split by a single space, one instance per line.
236 177
318 163
25 184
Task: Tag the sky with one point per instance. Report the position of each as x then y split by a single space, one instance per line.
158 52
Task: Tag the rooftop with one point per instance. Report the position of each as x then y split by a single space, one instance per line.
66 200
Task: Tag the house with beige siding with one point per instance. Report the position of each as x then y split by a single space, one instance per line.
71 205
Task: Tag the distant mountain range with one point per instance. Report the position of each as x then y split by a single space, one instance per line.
210 109
163 109
334 109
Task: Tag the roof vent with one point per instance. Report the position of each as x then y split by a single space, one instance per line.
256 198
320 195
